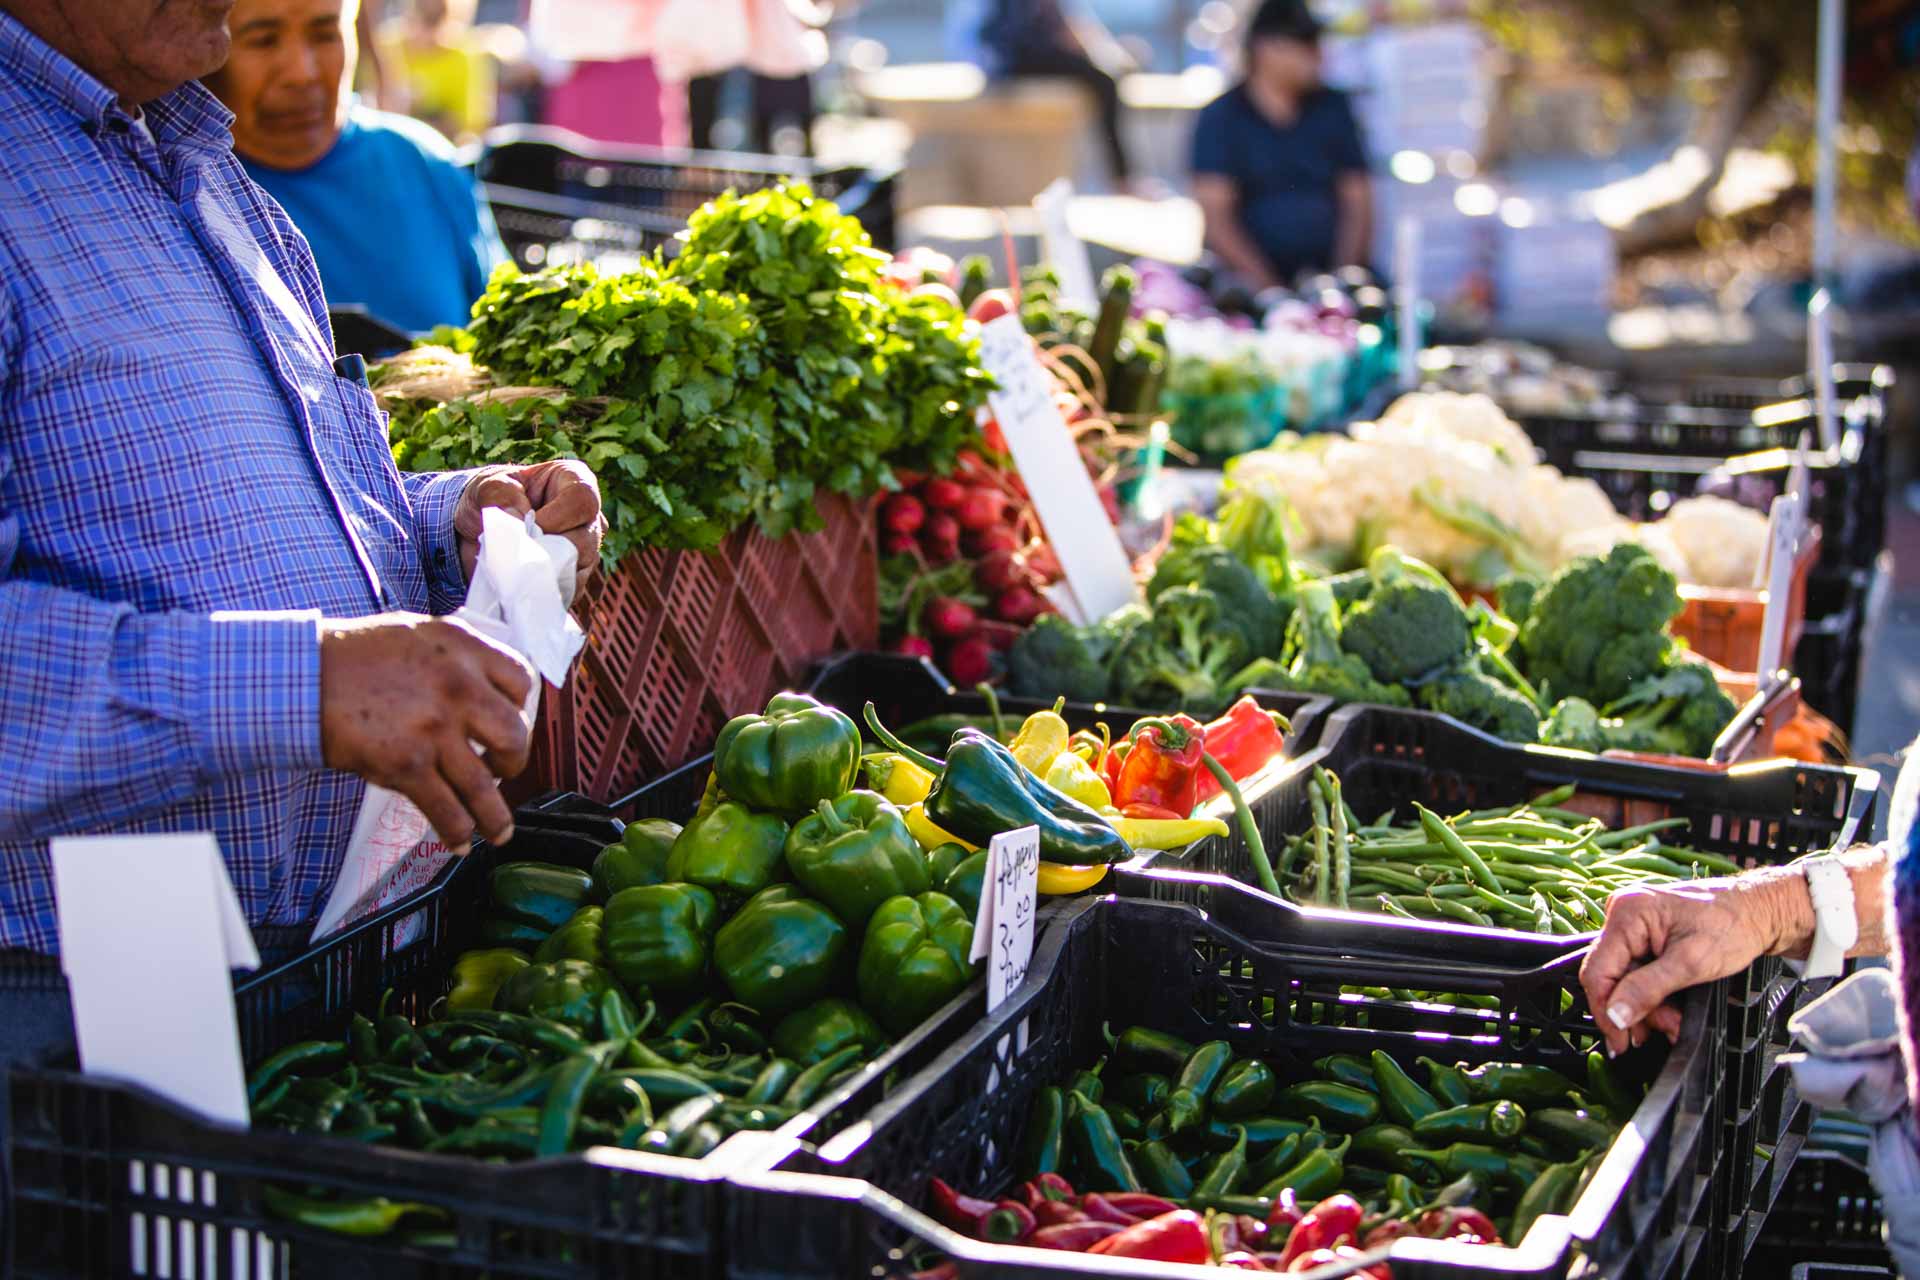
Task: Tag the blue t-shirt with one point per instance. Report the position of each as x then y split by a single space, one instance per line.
395 224
1285 172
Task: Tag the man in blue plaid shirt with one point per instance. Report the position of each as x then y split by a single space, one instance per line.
216 592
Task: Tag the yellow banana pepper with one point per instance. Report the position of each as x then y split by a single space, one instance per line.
929 835
1057 877
1042 737
1159 833
1072 776
898 779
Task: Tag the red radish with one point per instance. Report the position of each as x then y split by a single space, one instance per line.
950 618
943 494
943 529
984 542
1019 605
999 571
1043 562
991 305
996 438
903 513
983 509
970 465
900 544
934 289
1000 635
909 479
970 661
914 647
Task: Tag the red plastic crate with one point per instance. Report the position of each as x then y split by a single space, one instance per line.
679 641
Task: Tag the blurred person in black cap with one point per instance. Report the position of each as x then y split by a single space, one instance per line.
1041 39
1279 168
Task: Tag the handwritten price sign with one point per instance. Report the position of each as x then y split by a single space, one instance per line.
1003 935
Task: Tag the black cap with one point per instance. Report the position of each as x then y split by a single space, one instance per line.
1286 19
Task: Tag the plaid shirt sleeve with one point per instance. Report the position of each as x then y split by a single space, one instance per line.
435 495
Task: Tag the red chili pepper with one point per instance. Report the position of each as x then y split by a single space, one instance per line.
1472 1222
1333 1220
1180 1236
1163 767
1052 1213
962 1213
1101 1209
1241 1261
1386 1233
1009 1223
1321 1257
1245 739
945 1271
1139 1203
1284 1215
1047 1187
1074 1237
1253 1232
1150 813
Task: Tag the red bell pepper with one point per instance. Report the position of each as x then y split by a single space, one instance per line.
1180 1236
1074 1237
1334 1221
1245 739
1162 765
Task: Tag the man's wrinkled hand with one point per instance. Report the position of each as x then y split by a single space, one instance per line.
1666 938
563 496
404 697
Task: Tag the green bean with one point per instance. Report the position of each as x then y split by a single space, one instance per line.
1399 848
1461 890
1393 908
1627 835
1446 907
1595 915
1542 913
1502 904
1321 871
1525 854
1553 799
1725 866
1440 831
1390 878
1653 862
1522 872
1342 858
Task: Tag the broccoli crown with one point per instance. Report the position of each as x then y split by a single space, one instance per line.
1471 695
1515 595
1351 587
1184 657
1600 625
1411 624
1574 723
1053 658
1316 663
1245 603
1683 709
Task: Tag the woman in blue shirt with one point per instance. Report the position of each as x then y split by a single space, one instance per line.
1279 169
395 224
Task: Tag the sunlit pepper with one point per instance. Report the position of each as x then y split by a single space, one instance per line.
1058 877
1162 767
1245 739
1072 776
897 778
1042 737
929 835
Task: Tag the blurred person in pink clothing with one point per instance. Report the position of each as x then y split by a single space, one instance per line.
608 89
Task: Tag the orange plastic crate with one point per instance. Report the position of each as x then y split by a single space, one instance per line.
1724 625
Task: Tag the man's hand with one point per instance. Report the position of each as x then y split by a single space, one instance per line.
403 696
1693 932
563 496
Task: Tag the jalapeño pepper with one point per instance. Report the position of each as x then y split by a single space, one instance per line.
1483 1163
1315 1177
1244 1090
1279 1158
1263 1132
1144 1049
1045 1130
1548 1193
1160 1171
1400 1096
1144 1091
1381 1146
1336 1106
1097 1144
1202 1070
1477 1122
1447 1084
1530 1086
1571 1132
1345 1068
1226 1172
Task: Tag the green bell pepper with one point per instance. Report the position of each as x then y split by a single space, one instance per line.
577 939
657 935
982 791
824 1028
567 991
854 853
959 874
732 851
780 951
789 758
639 857
914 958
539 894
477 976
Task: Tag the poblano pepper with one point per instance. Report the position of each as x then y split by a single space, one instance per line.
983 791
914 959
854 853
477 976
567 991
789 758
638 857
960 873
658 935
824 1028
732 851
780 951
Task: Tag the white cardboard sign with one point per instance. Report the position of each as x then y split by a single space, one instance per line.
1065 251
149 929
1786 525
1003 933
1406 295
1091 557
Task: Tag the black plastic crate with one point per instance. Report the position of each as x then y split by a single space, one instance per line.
1648 1213
559 197
104 1171
1761 814
1827 1222
1829 656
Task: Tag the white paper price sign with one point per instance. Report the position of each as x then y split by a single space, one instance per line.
164 1020
1095 564
1786 527
1065 251
1003 934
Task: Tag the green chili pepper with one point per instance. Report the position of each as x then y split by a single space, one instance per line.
1088 1084
1345 1068
773 1081
1568 1131
1096 1143
1314 1178
1263 1132
700 1141
672 1129
1528 1085
1545 1194
370 1217
1040 1151
488 1138
1279 1158
1226 1172
1336 1106
1400 1095
1145 1091
1127 1120
1380 1146
306 1057
1187 1108
666 1088
811 1082
1160 1170
561 1111
1483 1162
1478 1122
1606 1086
1447 1084
1243 1090
365 1039
1144 1049
1403 1196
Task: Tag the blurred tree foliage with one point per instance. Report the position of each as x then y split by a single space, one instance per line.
1764 97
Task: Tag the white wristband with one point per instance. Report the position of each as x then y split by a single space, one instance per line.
1836 926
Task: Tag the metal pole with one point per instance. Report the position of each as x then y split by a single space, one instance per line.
1406 294
1825 192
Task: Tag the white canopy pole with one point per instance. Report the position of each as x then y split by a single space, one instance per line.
1825 239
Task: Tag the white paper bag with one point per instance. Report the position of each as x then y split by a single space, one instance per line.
521 588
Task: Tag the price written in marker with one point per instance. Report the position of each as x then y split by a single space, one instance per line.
1003 934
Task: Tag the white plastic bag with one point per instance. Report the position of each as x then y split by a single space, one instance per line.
700 38
521 588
